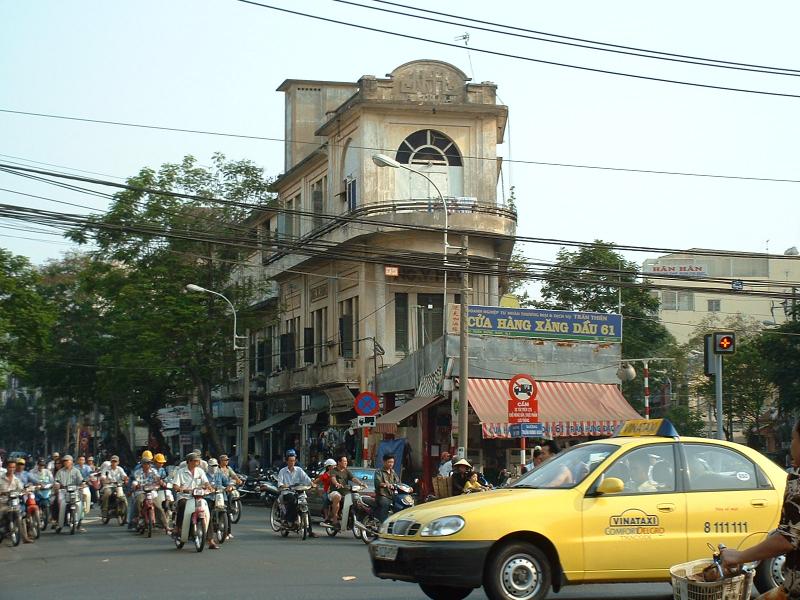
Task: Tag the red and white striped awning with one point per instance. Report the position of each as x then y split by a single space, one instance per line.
566 409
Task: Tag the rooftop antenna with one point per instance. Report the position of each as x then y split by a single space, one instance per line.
465 38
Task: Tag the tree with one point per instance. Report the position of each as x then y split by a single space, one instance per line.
781 348
25 317
164 344
599 279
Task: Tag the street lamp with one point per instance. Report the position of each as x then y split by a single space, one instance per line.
626 372
382 160
245 376
196 288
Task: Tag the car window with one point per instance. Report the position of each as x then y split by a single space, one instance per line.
567 469
717 468
367 476
646 470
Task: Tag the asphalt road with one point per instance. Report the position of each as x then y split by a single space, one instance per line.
108 561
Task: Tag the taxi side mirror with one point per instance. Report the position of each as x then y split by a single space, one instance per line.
610 485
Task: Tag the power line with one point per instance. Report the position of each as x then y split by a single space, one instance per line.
611 47
519 57
539 163
587 41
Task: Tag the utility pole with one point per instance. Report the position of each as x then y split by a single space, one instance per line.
463 369
718 386
243 448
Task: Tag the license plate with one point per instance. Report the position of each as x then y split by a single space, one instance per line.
383 552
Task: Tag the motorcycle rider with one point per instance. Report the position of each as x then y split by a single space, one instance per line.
340 476
21 473
288 476
68 475
159 460
385 479
325 478
185 480
80 464
227 470
147 475
53 465
9 482
111 474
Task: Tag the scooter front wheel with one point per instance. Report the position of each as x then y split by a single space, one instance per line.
371 525
274 518
236 510
199 535
14 531
305 524
331 531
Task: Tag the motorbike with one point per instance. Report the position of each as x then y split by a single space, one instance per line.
31 518
234 505
294 517
69 508
366 520
219 515
195 521
10 521
347 518
43 501
166 499
147 518
263 488
117 503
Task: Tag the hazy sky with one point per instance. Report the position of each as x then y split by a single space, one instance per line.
214 65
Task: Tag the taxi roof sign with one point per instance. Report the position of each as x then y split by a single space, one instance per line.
647 427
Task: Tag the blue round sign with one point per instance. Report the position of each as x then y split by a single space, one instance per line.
366 404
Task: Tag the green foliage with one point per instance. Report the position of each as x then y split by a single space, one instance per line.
781 348
25 317
687 422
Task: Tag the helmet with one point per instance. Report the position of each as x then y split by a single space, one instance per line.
147 455
20 461
291 452
159 458
330 462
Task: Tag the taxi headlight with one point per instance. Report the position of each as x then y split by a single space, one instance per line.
443 526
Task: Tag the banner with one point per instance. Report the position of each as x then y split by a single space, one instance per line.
539 323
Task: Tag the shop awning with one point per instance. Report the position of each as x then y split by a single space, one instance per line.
272 421
388 423
341 398
567 409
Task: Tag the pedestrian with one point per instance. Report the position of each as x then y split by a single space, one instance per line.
538 456
445 464
461 472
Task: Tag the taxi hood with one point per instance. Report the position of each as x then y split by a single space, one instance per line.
468 503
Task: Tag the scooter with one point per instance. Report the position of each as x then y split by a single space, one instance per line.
195 521
166 500
147 518
69 508
117 503
43 501
31 519
234 505
10 521
346 512
219 515
366 520
296 518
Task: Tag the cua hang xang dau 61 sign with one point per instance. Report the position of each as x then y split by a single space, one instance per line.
539 323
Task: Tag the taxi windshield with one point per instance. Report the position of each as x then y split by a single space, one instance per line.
567 469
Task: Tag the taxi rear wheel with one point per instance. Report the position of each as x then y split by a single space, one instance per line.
444 592
518 571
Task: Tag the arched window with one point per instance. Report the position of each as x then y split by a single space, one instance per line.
428 147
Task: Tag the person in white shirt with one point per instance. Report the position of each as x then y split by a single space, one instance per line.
203 464
446 466
184 480
288 476
111 474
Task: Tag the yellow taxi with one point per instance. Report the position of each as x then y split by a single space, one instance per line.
623 509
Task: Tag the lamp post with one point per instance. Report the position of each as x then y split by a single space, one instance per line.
243 447
382 160
626 372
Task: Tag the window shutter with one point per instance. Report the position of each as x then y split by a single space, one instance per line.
316 197
346 336
308 345
401 322
287 350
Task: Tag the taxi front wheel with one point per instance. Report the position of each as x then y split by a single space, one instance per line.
445 592
517 571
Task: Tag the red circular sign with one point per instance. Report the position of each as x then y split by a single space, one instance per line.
522 387
366 404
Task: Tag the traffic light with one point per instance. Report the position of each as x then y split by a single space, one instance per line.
724 343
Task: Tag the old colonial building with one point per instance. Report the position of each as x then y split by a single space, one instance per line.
357 251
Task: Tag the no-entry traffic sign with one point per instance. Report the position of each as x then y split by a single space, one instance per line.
366 404
522 404
522 387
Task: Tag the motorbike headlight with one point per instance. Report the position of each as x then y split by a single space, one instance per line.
443 526
407 500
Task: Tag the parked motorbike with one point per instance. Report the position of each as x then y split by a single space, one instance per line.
195 521
291 514
147 517
10 521
347 519
69 508
219 515
31 519
117 504
366 520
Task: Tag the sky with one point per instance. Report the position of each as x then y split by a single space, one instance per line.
214 65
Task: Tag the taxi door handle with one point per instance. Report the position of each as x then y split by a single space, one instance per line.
665 507
758 502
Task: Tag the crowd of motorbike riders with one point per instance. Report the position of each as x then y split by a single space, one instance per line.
199 500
